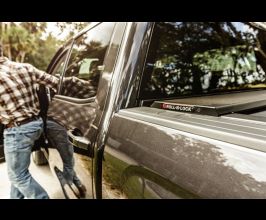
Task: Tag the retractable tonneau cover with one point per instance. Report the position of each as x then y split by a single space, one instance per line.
215 105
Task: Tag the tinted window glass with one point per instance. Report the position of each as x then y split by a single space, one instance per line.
59 60
86 62
59 67
194 58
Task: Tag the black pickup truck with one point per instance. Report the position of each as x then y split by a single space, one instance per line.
178 111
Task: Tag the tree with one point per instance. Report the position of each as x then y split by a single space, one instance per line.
19 40
46 49
199 57
23 42
73 27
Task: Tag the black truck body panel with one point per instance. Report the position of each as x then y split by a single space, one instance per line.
139 145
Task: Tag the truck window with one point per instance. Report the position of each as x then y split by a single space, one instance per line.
86 62
197 58
59 66
56 67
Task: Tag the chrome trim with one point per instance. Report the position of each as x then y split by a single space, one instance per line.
79 141
74 100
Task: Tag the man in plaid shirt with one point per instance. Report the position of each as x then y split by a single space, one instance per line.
19 109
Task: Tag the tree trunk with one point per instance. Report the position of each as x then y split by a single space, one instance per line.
23 54
9 52
1 41
17 57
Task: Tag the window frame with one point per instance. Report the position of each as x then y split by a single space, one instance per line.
58 58
85 31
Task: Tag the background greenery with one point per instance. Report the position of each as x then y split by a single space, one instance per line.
30 42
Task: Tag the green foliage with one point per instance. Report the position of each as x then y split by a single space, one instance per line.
238 58
204 57
18 41
44 52
24 41
74 27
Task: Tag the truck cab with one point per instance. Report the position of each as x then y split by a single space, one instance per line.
172 109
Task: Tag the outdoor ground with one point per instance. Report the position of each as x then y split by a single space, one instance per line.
45 177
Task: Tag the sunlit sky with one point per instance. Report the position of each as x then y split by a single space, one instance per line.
55 31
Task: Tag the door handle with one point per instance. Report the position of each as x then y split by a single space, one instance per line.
79 141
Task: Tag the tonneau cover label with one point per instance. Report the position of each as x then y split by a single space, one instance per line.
183 108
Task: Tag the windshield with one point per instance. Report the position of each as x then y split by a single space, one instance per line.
196 58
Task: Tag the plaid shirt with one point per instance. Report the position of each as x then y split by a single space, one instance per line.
18 84
78 88
71 116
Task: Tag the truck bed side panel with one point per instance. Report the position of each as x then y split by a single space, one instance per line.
174 162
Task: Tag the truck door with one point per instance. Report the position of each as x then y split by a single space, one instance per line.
84 85
75 105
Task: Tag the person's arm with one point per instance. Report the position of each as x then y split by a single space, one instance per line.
43 77
79 87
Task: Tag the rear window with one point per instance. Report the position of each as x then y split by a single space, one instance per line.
197 58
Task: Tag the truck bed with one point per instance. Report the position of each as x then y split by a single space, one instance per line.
216 105
239 129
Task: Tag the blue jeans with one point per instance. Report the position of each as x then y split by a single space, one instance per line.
58 137
18 142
